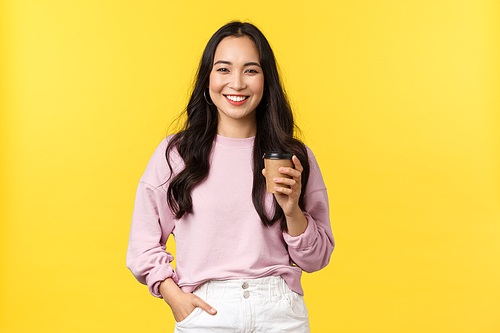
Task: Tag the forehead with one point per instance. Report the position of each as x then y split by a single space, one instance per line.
237 49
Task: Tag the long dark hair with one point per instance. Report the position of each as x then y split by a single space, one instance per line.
275 129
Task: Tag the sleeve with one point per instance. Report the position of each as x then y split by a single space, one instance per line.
312 249
152 223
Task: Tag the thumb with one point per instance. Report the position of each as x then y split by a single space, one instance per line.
204 306
264 172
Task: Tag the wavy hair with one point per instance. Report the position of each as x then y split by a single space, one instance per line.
275 129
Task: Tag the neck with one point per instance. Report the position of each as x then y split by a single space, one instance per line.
237 129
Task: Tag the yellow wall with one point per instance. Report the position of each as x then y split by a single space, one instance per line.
399 100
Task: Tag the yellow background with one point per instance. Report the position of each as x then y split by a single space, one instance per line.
399 100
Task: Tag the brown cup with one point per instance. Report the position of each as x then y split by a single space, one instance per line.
273 161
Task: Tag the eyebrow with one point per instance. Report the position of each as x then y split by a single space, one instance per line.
230 63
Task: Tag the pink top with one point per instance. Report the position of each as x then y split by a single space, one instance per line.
224 238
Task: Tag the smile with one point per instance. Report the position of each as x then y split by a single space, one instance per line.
236 100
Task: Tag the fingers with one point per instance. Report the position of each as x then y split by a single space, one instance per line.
293 172
290 185
290 172
296 162
286 181
198 302
284 190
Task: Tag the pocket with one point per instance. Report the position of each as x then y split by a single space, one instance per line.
296 306
196 312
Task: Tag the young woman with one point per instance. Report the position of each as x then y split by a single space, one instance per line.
240 250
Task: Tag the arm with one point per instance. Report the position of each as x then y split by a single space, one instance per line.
147 258
152 223
312 249
309 237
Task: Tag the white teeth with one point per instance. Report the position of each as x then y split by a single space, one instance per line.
236 98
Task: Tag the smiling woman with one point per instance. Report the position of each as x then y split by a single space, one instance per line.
236 86
205 184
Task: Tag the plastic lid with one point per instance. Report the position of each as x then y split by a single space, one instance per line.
272 155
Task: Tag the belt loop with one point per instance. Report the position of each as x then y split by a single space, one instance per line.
276 287
283 286
207 287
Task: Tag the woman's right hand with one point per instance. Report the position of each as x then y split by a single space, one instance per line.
181 303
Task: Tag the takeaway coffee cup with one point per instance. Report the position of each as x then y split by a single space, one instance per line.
273 161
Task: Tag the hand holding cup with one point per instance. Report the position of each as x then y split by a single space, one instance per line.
273 161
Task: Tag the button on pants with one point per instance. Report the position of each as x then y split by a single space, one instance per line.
255 305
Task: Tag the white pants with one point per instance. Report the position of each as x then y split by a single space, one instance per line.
256 305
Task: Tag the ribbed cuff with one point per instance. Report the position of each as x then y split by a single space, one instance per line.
304 240
159 275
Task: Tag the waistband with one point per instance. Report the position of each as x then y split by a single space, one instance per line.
266 287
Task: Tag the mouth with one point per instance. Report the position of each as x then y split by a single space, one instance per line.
236 99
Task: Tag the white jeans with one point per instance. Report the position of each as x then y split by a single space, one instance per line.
256 305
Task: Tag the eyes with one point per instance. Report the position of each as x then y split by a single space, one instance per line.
248 71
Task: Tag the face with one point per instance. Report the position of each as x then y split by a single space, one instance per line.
236 81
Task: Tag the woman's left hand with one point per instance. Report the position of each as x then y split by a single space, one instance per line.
288 198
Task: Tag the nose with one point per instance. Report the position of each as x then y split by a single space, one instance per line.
237 81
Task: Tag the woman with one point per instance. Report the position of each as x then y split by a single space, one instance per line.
240 250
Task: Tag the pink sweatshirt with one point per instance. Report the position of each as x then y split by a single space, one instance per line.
224 238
